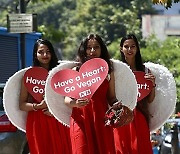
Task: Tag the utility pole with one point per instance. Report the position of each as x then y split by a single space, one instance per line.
22 9
175 140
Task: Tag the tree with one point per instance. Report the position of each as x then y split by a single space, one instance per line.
12 6
109 19
166 3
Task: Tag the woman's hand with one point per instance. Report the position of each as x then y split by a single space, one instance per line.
47 112
42 105
151 77
79 102
71 102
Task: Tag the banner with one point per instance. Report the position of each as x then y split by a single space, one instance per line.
144 86
35 80
82 84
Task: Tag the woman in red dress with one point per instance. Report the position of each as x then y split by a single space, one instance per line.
44 133
88 132
134 138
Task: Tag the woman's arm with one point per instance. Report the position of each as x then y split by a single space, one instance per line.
71 102
111 95
24 105
23 98
151 96
75 102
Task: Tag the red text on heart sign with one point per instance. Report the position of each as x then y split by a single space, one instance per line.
144 86
80 84
35 80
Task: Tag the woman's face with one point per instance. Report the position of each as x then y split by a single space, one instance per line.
93 49
129 49
43 55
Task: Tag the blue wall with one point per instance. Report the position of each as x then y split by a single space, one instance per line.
10 61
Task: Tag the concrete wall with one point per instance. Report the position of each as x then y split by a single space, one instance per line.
161 25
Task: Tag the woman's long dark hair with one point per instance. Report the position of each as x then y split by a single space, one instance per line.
54 60
138 59
143 104
82 55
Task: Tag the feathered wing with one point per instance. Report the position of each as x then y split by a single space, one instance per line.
11 100
54 100
164 103
126 90
125 84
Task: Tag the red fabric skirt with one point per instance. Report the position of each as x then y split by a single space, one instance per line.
133 138
46 135
88 132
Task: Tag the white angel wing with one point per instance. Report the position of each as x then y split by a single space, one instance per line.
54 100
164 103
11 100
126 90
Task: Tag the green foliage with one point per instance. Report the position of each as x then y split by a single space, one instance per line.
51 33
7 7
166 3
109 19
76 19
35 1
114 49
3 19
166 53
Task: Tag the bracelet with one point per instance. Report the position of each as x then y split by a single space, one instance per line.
33 106
45 109
73 101
116 100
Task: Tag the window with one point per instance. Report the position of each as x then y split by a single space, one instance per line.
1 98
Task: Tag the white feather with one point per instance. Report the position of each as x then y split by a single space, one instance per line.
54 100
11 100
164 103
126 90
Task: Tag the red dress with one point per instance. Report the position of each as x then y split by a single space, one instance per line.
134 138
88 132
46 135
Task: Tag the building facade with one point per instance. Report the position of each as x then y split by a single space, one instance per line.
165 23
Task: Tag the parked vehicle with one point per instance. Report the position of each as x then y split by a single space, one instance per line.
166 147
12 140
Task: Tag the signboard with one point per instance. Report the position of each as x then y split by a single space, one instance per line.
22 23
144 86
35 80
82 84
